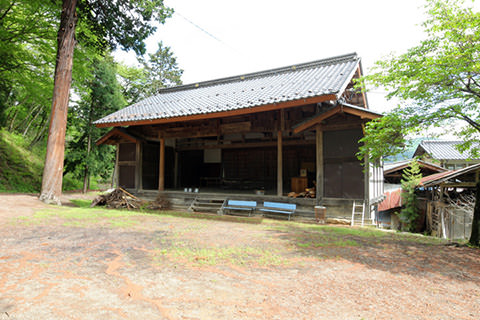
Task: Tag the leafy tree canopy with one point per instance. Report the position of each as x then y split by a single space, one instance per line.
158 70
438 81
120 23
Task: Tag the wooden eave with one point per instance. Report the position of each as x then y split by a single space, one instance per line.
339 109
224 114
422 164
116 132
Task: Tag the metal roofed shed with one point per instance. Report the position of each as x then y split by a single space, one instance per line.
274 131
445 195
446 153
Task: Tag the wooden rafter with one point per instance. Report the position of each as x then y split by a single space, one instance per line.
363 114
116 132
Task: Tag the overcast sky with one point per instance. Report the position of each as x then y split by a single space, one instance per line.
219 38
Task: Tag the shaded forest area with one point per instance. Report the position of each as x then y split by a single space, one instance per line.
100 85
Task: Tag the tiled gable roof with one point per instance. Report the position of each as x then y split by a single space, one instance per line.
444 150
307 80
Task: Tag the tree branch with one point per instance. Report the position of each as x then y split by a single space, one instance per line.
6 11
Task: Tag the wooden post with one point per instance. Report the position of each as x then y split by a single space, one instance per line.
161 169
366 186
138 167
281 125
175 171
279 164
116 175
319 167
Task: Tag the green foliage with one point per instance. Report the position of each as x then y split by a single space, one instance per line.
410 180
121 23
437 80
20 168
158 71
133 81
27 51
100 95
161 69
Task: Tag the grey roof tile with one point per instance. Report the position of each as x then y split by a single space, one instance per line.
317 78
444 150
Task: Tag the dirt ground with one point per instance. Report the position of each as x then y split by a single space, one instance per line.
167 267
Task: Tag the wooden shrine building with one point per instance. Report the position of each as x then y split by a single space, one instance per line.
278 130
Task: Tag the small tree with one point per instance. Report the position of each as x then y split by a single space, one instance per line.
410 180
438 81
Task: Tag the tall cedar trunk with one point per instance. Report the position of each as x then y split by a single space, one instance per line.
475 237
52 172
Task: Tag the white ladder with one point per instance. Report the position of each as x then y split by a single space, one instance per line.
355 210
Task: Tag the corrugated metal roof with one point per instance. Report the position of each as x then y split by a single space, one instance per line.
444 150
307 80
438 178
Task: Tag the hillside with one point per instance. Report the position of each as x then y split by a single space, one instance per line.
20 168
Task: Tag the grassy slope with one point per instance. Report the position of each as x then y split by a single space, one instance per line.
20 168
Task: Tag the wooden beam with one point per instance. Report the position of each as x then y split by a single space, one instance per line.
319 164
363 114
222 114
342 126
265 144
115 133
458 185
364 97
161 169
317 120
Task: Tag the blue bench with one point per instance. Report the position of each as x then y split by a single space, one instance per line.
279 207
241 205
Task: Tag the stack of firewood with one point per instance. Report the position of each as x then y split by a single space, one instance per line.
308 193
118 198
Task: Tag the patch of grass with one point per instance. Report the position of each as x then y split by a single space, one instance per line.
238 256
20 167
81 203
339 243
307 236
206 216
83 217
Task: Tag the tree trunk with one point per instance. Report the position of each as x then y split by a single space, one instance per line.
86 173
52 172
475 237
40 132
32 119
12 121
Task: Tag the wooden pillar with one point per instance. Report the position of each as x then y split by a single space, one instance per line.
161 169
175 170
279 164
281 127
319 166
116 175
138 167
366 186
